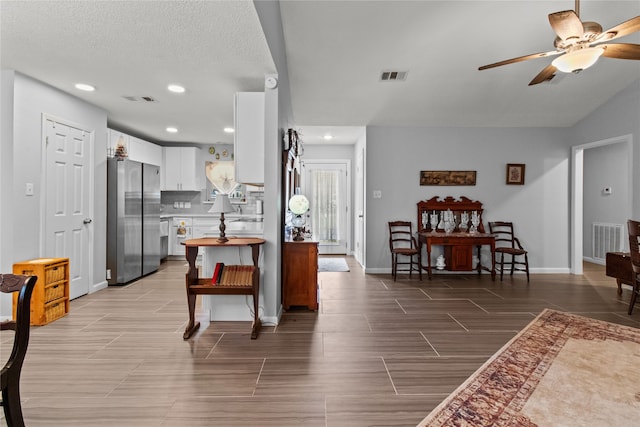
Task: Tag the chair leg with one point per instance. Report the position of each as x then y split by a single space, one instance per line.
501 265
12 406
394 266
526 266
513 265
634 295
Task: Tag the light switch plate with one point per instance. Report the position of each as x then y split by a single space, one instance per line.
28 189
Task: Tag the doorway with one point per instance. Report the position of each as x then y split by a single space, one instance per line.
68 200
325 184
577 198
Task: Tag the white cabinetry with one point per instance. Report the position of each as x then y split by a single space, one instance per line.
145 152
249 137
137 149
180 169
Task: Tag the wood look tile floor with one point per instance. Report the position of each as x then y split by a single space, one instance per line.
377 352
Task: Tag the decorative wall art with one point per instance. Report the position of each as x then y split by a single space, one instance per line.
515 173
447 177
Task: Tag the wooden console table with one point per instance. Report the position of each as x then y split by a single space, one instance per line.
458 245
204 286
461 245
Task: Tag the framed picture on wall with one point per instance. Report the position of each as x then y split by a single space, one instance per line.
515 173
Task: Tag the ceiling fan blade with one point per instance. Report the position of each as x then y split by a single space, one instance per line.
546 74
566 24
620 30
519 59
621 50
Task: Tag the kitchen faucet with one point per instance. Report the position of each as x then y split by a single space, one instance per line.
240 209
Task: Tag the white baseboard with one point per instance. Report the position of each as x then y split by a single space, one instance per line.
562 270
98 286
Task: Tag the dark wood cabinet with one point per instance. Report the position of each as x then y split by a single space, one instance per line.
619 266
300 274
458 256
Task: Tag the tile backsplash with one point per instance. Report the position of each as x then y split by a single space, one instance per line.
199 204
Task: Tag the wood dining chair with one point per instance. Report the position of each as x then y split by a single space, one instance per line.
509 245
10 375
402 243
634 245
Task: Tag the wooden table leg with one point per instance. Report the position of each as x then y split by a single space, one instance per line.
429 260
257 323
191 277
493 261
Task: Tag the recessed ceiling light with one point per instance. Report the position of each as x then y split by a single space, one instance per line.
229 130
327 137
172 129
85 87
176 88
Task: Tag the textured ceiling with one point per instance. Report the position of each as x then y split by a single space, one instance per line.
335 52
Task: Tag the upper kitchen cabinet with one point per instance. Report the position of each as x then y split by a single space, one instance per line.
249 137
144 151
134 148
179 169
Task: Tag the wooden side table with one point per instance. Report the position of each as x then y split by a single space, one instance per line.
619 267
204 286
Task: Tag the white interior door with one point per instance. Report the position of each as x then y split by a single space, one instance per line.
68 201
359 203
325 185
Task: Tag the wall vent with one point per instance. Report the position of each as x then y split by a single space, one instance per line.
140 98
393 76
606 238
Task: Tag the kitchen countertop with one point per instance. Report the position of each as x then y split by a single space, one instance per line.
209 215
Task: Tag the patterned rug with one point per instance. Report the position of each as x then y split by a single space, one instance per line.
332 264
561 370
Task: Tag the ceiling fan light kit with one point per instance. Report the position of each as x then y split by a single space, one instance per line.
577 44
578 60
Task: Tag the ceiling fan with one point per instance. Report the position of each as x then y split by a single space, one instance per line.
580 44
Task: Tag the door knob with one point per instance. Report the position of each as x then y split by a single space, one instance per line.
87 221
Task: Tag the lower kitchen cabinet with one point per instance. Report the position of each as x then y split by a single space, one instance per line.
300 274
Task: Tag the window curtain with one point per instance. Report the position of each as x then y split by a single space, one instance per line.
324 205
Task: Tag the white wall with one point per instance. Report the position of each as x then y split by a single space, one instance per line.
605 166
539 209
617 117
32 99
6 181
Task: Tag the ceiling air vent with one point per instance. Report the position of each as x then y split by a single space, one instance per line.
393 76
140 98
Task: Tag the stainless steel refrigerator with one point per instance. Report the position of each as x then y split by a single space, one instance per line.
133 220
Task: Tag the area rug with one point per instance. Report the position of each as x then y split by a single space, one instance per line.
332 264
560 370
